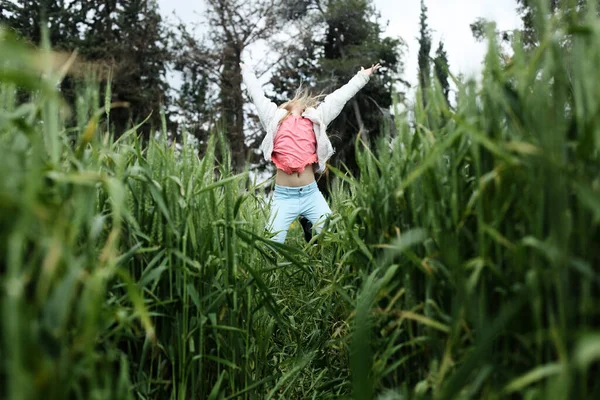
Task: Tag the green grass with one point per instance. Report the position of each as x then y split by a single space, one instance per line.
462 263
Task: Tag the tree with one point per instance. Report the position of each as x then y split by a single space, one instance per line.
126 36
478 30
25 18
527 10
352 38
235 25
129 36
424 54
197 96
441 69
298 65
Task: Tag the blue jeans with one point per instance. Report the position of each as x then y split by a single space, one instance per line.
290 202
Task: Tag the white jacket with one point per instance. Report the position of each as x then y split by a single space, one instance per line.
270 115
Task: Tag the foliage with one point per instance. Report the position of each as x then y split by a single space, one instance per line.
457 265
124 38
335 38
527 9
441 69
236 24
530 12
196 98
63 20
424 59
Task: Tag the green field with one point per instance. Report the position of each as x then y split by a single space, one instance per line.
461 263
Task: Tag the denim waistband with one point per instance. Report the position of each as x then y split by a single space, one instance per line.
299 190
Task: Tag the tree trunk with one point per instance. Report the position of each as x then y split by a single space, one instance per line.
232 105
361 125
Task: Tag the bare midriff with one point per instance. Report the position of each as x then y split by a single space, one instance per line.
295 179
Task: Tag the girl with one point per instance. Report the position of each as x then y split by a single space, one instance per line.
297 143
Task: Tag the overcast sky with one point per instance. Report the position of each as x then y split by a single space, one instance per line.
448 19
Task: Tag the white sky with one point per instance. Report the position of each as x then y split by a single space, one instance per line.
448 20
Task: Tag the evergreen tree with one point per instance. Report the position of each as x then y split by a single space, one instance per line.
130 38
424 54
62 21
196 98
353 38
441 69
126 36
299 66
25 18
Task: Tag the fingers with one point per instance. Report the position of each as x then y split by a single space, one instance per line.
369 71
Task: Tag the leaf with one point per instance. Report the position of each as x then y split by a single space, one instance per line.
125 257
590 199
587 351
193 293
523 148
250 387
299 366
238 204
178 182
216 389
429 161
361 358
219 183
361 245
498 237
151 276
270 303
536 374
478 356
216 359
116 190
136 298
158 199
401 244
425 321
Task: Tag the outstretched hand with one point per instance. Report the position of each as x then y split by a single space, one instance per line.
369 71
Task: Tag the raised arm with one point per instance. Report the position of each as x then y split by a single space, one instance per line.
334 103
266 108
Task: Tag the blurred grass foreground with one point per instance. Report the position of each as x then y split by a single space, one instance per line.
461 263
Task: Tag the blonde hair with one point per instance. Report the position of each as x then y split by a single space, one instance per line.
304 97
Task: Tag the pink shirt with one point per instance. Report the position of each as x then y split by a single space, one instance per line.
295 144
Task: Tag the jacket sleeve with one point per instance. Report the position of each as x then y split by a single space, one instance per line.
334 103
266 108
